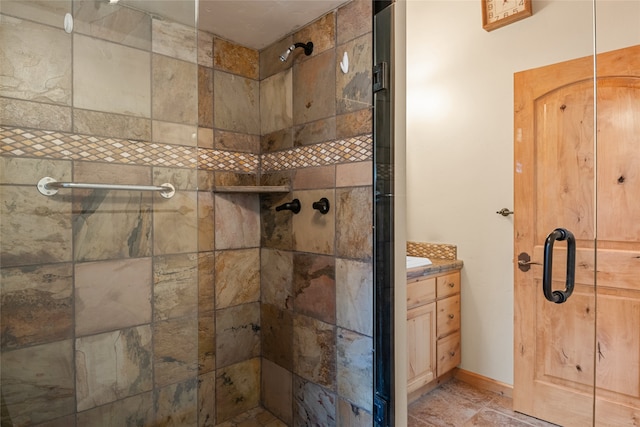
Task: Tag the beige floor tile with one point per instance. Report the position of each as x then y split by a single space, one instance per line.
456 403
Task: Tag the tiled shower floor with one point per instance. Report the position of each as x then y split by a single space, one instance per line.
458 404
256 417
453 404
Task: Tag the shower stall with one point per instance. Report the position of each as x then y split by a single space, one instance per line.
210 307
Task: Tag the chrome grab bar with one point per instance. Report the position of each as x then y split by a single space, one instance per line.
49 186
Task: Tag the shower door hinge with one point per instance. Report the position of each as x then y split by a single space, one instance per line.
380 412
380 77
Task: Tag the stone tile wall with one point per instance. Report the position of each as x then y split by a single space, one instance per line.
317 278
100 290
126 306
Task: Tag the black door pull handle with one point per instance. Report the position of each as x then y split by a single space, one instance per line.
547 278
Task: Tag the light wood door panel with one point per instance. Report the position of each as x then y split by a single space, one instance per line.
565 339
618 345
564 167
619 160
571 358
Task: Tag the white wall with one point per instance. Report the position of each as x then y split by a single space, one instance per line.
460 137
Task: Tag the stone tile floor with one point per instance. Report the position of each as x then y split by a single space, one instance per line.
459 404
257 417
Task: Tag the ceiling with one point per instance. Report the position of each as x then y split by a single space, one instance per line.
251 23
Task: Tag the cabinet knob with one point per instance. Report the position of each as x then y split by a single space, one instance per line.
451 316
451 285
452 353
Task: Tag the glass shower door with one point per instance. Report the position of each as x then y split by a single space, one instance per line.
555 234
617 342
554 243
587 353
99 285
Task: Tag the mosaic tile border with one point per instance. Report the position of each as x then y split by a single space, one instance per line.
19 142
356 149
68 146
432 250
217 160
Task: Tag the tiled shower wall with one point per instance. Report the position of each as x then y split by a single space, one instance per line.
101 290
317 284
109 304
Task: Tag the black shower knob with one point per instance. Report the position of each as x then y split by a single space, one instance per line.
322 205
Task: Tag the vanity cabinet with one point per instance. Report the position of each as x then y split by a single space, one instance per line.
433 327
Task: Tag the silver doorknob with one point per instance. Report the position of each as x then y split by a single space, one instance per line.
504 212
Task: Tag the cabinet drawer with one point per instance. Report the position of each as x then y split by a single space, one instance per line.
448 284
448 352
448 318
420 292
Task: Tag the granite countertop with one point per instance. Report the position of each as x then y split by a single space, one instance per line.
437 266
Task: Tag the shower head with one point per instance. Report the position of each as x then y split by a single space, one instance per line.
308 49
286 53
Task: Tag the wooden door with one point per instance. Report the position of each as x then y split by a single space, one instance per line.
578 363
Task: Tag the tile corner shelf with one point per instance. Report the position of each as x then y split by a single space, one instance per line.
260 189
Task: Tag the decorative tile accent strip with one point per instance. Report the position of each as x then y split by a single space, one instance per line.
354 149
214 160
432 250
60 145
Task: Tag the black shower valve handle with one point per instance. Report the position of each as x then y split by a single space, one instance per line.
293 206
321 205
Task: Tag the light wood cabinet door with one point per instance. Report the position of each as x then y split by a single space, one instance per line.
421 351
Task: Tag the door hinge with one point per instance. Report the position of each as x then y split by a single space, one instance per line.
380 412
